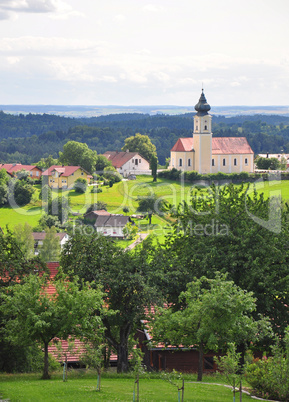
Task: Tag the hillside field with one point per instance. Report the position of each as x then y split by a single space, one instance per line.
124 194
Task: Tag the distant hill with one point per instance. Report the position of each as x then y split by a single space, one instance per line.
26 138
94 111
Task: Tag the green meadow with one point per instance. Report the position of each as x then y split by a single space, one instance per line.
124 194
29 388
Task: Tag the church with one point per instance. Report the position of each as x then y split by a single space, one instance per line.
207 154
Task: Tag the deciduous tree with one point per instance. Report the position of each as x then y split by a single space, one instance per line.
140 143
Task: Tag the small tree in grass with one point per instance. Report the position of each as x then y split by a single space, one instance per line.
230 366
130 230
32 315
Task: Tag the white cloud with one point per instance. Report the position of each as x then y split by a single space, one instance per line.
59 8
152 8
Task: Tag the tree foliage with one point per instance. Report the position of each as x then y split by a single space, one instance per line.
34 316
50 249
78 154
140 143
125 275
213 313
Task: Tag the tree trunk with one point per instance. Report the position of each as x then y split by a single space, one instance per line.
122 349
200 364
46 375
122 358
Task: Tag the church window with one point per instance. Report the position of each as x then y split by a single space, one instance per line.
180 162
197 128
206 127
224 162
246 161
235 162
189 162
213 162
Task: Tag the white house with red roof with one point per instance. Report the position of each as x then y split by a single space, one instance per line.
63 176
128 163
207 154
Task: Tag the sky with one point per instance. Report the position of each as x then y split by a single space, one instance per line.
141 52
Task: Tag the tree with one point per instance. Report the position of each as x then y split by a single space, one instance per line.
80 185
150 204
47 221
130 230
20 192
230 229
50 249
96 207
140 143
154 166
45 194
59 207
125 275
24 237
35 316
101 163
214 312
3 194
45 163
78 154
268 163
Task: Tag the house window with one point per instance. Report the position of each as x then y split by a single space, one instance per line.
82 173
180 162
37 174
72 174
246 161
31 173
224 162
235 161
139 161
132 160
189 162
213 162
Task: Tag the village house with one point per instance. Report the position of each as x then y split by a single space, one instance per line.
40 236
13 168
207 154
128 163
63 176
108 224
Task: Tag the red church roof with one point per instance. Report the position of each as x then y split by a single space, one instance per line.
220 145
183 145
230 145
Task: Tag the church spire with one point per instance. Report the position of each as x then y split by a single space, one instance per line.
202 107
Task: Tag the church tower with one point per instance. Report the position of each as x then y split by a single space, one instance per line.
203 136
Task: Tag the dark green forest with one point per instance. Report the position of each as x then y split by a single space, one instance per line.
28 138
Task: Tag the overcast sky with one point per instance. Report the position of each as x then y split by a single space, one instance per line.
141 52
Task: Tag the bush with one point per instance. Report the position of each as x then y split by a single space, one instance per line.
96 190
80 185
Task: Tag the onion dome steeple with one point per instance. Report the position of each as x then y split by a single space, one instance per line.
202 107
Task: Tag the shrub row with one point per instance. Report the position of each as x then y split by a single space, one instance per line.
194 176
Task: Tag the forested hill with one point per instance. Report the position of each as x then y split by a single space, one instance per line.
28 138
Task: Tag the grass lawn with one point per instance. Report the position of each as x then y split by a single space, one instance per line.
30 388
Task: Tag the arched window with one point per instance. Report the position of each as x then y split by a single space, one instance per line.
246 161
213 162
206 127
235 161
189 162
180 162
224 162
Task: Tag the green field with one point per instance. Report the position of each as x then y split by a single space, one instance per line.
30 388
123 194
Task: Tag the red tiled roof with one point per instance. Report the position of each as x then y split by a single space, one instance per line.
16 167
63 170
230 145
118 159
183 145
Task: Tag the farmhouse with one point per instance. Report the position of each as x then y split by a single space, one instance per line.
207 154
63 176
13 168
128 163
